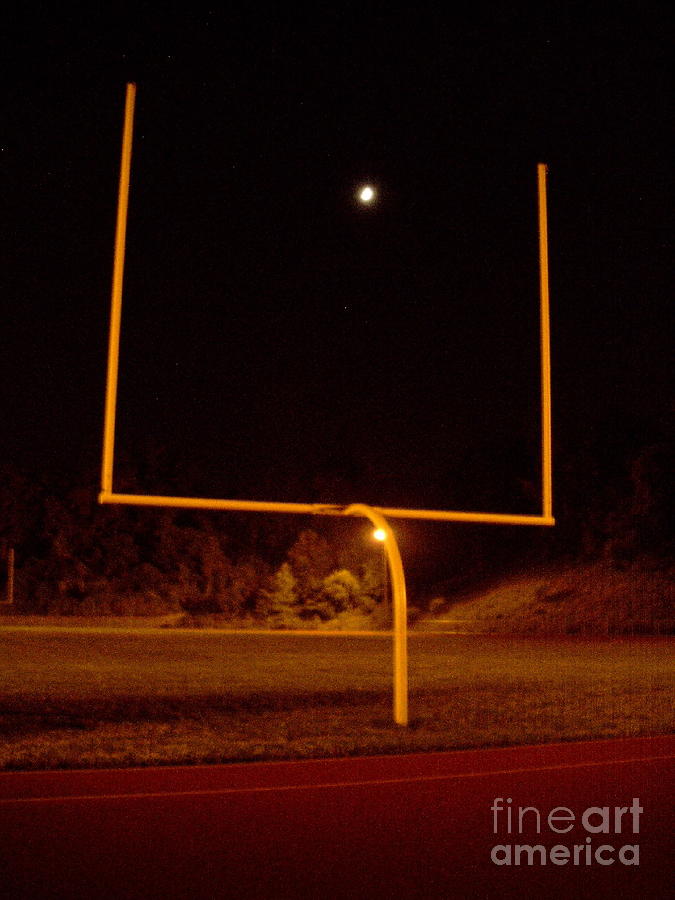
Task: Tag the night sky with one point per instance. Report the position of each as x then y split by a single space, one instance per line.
281 342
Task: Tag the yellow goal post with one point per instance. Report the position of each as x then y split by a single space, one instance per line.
377 515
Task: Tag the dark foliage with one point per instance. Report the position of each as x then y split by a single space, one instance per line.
76 557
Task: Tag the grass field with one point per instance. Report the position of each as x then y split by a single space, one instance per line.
112 697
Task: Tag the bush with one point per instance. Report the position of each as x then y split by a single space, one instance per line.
341 590
279 601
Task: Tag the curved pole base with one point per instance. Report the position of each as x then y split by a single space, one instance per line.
400 608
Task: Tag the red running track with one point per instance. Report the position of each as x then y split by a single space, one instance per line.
375 827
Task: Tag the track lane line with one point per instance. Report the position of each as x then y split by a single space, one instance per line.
9 801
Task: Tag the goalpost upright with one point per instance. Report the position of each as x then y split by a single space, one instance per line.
116 301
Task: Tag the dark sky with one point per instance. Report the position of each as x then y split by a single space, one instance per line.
281 342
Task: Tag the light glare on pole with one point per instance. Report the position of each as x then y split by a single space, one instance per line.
380 534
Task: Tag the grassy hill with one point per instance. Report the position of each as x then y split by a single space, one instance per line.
593 598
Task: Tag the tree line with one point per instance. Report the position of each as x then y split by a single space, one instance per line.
76 557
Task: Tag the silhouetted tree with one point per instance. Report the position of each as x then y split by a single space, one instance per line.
311 559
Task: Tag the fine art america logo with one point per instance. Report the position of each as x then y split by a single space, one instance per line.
585 845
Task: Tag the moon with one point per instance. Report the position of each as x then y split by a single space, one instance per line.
366 194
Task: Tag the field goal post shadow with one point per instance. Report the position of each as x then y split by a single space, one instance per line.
377 515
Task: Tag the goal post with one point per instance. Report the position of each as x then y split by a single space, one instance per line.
376 514
116 299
